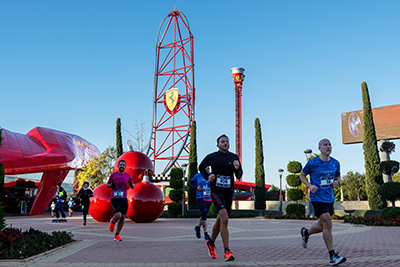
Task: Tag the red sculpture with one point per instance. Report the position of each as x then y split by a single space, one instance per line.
137 164
100 204
145 201
42 150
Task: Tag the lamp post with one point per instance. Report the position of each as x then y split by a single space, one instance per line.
280 171
184 167
311 214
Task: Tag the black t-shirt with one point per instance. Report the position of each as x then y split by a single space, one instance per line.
223 169
84 195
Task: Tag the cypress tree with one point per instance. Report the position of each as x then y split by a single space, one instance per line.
259 191
1 168
119 139
373 175
192 169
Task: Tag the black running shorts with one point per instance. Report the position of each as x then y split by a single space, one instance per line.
322 207
120 205
222 200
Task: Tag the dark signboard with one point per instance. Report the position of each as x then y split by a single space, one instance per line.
386 120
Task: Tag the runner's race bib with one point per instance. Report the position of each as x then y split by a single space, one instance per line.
118 193
223 181
327 181
206 192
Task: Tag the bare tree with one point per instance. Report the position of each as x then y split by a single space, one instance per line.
140 140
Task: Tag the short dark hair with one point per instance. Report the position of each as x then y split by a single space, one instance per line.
122 160
85 183
59 184
223 135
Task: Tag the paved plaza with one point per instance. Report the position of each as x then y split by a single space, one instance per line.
172 242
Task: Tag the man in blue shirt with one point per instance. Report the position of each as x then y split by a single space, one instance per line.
203 200
324 174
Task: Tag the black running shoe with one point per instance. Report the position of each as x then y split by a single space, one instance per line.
197 230
304 237
336 259
206 236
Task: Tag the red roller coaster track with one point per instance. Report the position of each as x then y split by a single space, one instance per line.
174 92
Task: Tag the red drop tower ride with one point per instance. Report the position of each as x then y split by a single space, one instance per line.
174 93
238 77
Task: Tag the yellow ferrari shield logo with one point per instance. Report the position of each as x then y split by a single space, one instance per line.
171 98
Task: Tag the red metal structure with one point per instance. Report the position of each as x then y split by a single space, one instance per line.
238 77
46 151
174 92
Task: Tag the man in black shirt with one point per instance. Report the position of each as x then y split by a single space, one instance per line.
224 165
84 194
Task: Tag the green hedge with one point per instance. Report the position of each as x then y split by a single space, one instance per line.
390 191
2 220
15 244
293 180
295 194
175 195
299 210
294 167
390 213
174 209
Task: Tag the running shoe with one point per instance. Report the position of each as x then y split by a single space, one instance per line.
206 236
117 238
336 259
197 230
304 237
229 256
211 250
112 225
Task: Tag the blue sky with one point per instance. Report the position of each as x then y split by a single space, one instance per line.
77 66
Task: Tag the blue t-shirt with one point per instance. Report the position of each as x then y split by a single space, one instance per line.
198 180
71 203
322 175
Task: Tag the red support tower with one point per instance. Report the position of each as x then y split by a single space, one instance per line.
238 77
174 93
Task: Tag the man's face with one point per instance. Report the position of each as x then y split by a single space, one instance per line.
325 147
223 144
85 186
121 166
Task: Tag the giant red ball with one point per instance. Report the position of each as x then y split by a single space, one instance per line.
100 204
146 202
137 165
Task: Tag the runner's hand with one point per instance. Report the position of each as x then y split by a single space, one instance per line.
335 184
200 188
211 177
313 189
236 164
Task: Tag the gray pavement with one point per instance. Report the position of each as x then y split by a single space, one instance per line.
172 242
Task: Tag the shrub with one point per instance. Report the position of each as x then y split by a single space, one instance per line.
15 244
293 180
389 167
373 221
390 213
176 174
295 194
176 184
174 209
390 191
2 220
213 210
294 167
175 195
299 210
269 195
